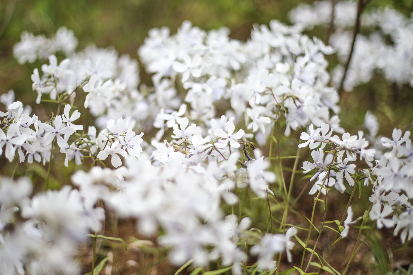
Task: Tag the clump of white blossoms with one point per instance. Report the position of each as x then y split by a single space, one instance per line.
386 48
185 183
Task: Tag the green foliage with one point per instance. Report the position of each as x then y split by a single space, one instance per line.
402 271
110 239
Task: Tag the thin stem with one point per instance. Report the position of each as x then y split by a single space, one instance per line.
15 167
341 222
327 178
319 233
213 145
50 165
291 186
356 30
356 248
311 227
94 247
301 193
279 157
94 253
278 263
269 211
59 104
271 154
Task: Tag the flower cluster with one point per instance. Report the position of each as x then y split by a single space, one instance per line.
34 140
389 176
387 48
212 98
43 241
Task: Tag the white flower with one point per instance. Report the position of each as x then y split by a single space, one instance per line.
289 244
347 222
190 67
405 222
14 192
132 143
185 131
12 138
397 141
72 152
57 132
113 150
71 218
257 175
258 121
377 214
69 119
269 245
229 137
319 162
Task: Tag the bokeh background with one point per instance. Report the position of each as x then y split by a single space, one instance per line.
124 25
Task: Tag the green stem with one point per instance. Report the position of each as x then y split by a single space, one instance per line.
312 216
311 227
356 248
50 165
94 253
15 167
341 222
269 211
271 155
94 248
284 219
279 158
319 233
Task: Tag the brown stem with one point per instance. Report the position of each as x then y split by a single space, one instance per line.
360 6
330 29
216 149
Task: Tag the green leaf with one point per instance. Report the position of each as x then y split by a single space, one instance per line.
184 266
307 176
215 272
336 241
313 252
288 272
332 229
110 239
299 241
332 268
49 100
101 162
323 267
363 227
318 200
299 270
100 266
254 271
196 271
301 228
